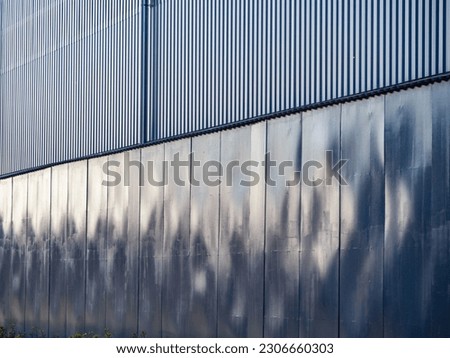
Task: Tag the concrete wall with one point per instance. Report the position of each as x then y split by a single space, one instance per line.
368 259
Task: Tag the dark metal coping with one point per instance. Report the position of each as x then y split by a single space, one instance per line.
351 98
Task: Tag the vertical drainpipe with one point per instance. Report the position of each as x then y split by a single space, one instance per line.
149 69
154 68
144 72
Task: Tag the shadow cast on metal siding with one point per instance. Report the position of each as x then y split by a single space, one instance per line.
368 259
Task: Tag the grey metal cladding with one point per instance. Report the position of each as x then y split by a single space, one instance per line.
5 247
126 73
204 235
241 236
17 279
96 250
362 219
440 210
76 246
37 253
77 77
122 264
176 243
218 62
408 259
58 252
247 256
151 241
319 245
282 222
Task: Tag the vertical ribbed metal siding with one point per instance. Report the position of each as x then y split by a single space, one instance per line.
70 79
71 73
218 62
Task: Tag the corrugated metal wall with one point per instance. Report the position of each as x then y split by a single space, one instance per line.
366 259
218 62
69 78
84 77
